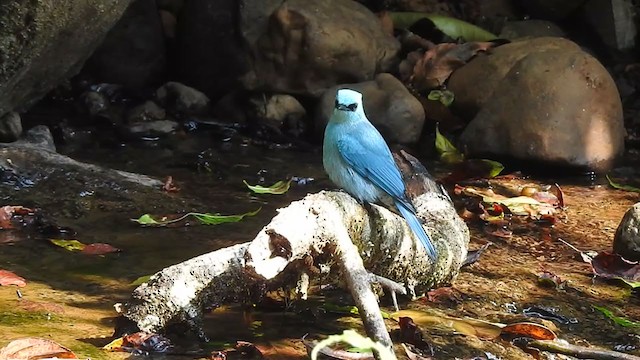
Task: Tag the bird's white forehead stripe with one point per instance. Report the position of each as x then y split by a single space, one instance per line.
348 96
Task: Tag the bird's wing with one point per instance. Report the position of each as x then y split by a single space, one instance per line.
373 161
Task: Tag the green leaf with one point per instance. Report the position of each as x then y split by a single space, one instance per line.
348 310
141 280
448 153
146 219
622 321
632 284
278 188
71 245
452 27
204 218
215 219
622 186
446 97
354 340
495 168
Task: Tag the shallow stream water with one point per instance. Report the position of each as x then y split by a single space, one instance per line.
69 297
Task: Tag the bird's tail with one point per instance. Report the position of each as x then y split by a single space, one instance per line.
415 225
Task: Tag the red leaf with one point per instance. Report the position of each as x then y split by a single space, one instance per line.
99 249
445 295
611 266
411 334
7 212
9 278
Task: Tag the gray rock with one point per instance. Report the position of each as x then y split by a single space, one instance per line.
38 138
626 243
183 99
397 114
133 52
305 47
278 110
554 105
530 28
44 42
10 127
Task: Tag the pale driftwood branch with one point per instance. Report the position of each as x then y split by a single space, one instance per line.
327 228
580 352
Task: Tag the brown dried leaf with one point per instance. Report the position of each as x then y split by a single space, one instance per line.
9 278
436 65
35 348
99 249
529 330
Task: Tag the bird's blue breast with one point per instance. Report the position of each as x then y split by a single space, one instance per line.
339 171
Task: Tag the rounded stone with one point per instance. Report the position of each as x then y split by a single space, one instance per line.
395 112
554 105
626 243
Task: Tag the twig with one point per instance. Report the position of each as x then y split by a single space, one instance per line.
580 352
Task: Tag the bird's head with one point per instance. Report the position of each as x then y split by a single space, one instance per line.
348 100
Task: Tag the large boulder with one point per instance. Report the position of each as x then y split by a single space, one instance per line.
397 114
542 101
44 42
305 47
133 52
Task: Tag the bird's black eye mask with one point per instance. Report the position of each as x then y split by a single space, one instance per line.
343 107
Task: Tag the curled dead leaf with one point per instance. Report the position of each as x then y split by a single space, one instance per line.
434 66
529 330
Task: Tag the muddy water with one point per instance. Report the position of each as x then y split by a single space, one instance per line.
69 296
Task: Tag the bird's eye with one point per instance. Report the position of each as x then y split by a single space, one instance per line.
352 107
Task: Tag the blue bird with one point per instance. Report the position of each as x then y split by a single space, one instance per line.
357 159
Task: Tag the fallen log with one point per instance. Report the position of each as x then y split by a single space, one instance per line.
326 230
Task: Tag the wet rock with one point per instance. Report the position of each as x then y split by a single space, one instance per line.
614 21
305 47
530 28
182 99
95 103
627 240
149 120
148 111
152 128
10 127
546 104
397 114
38 138
133 52
279 111
209 53
38 52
